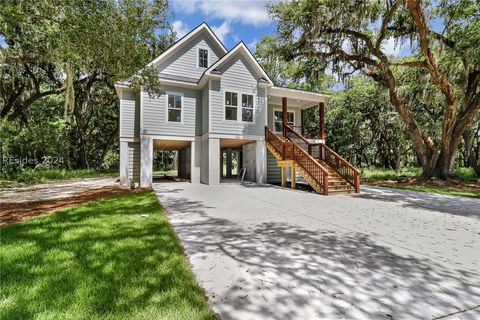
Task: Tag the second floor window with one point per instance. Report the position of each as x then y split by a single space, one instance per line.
247 107
174 108
203 58
231 105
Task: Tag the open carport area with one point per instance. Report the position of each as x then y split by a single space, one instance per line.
262 252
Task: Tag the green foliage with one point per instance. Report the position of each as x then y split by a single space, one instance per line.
364 128
99 261
389 174
449 192
57 75
435 91
461 173
304 73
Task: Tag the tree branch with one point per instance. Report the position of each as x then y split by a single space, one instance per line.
386 20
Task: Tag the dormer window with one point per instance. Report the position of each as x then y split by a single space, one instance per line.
203 58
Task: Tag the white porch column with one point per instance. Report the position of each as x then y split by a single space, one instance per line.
195 160
146 161
213 161
124 163
261 161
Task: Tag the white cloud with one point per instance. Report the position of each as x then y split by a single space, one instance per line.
222 30
252 45
391 48
252 12
180 28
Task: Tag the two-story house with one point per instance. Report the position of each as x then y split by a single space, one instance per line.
218 103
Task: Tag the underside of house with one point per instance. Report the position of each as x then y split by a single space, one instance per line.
226 120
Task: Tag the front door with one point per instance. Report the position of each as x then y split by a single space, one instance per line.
231 162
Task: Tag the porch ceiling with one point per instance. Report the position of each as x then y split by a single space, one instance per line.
169 144
296 103
233 143
295 98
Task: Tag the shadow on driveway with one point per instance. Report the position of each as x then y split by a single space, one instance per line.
280 270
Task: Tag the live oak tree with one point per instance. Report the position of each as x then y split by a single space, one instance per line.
51 46
67 55
350 36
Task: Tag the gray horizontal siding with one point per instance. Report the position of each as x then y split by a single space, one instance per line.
184 62
274 174
237 76
273 170
154 111
134 161
129 115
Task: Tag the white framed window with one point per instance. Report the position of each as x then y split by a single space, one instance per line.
278 119
174 107
247 107
231 105
202 58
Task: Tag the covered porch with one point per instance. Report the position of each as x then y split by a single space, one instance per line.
302 111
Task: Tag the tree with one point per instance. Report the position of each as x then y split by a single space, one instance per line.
53 45
349 36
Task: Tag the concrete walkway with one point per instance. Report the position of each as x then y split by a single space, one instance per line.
262 252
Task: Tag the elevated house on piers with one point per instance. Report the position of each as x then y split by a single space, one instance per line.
222 113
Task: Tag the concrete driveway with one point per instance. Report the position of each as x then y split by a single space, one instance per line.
262 252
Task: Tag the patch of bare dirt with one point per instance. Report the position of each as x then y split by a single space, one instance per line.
11 212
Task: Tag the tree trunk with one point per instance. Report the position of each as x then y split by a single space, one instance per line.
471 157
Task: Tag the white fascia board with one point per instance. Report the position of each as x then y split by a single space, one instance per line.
297 94
119 87
180 43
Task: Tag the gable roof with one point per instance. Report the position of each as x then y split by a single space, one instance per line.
184 40
242 49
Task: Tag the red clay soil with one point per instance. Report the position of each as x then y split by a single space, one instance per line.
11 212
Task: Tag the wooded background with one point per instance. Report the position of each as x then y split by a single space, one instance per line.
62 58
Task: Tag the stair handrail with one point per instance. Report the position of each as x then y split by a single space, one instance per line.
351 174
303 159
353 177
277 143
292 130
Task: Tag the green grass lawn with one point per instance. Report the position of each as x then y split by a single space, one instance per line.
466 174
98 261
449 192
31 176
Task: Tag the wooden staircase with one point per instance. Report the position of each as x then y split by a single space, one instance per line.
336 183
324 170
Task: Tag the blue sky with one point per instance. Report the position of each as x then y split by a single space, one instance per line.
238 20
232 21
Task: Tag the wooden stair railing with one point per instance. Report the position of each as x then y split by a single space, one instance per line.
342 166
321 152
312 167
288 150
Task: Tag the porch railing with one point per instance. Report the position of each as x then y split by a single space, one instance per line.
321 152
342 166
290 150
